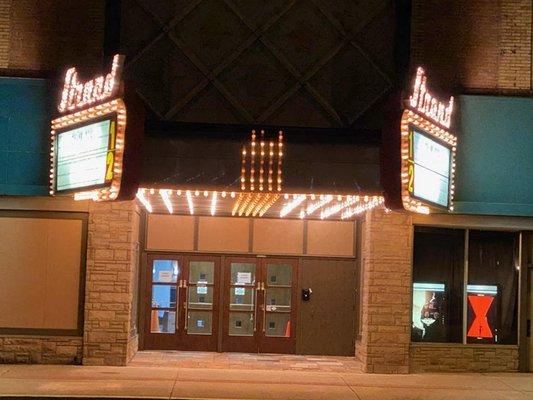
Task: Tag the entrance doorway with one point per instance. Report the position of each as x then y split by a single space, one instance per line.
219 303
259 305
181 302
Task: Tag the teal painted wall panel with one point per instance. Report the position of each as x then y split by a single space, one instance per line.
24 136
495 156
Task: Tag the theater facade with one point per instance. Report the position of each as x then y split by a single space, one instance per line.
413 254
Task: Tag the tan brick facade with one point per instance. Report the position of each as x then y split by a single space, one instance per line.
40 349
50 34
5 32
515 45
110 292
466 358
477 45
386 297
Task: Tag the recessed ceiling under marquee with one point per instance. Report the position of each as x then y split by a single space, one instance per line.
192 60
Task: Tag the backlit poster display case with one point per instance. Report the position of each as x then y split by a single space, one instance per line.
482 318
429 312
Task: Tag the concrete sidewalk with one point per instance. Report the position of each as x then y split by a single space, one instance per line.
196 383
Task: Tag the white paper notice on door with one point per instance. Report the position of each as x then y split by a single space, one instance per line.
201 289
244 278
165 276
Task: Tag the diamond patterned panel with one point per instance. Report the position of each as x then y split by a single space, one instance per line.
303 36
164 75
209 106
300 110
377 39
166 10
212 31
256 79
316 63
133 39
353 15
258 12
349 83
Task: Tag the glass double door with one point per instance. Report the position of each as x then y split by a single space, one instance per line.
217 303
259 305
182 304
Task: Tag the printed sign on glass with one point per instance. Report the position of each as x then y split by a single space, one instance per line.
482 314
429 175
85 155
429 316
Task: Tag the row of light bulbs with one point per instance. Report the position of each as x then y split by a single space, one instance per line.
257 204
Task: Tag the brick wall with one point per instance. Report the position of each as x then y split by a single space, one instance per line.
112 267
51 34
386 297
467 358
476 44
5 13
515 45
40 349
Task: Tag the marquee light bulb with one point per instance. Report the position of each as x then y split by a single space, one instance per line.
190 202
144 200
214 203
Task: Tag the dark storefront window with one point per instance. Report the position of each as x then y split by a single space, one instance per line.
439 295
438 270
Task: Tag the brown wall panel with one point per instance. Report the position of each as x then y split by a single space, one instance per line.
39 278
223 234
63 255
330 238
278 236
330 313
170 232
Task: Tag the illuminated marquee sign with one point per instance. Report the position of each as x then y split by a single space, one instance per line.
88 140
76 95
85 155
426 104
427 151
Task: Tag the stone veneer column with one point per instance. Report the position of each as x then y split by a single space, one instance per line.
386 292
110 333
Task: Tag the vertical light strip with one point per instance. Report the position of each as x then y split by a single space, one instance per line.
165 197
262 160
252 163
214 203
280 155
243 168
190 202
270 164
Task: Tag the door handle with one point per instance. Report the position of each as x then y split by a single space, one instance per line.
264 306
257 288
186 304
